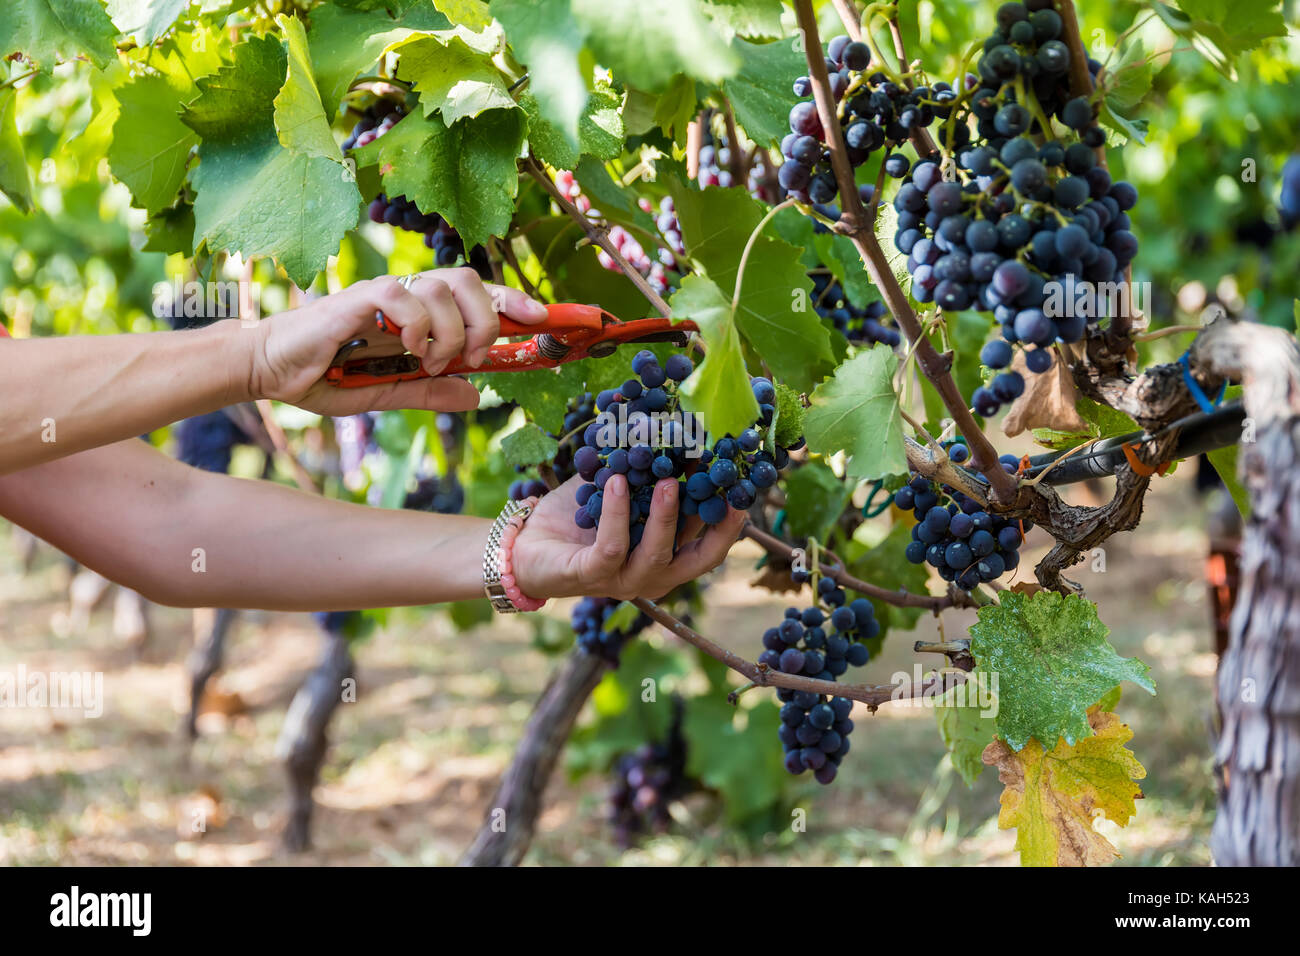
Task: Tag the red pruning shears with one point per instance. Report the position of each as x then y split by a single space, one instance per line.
570 332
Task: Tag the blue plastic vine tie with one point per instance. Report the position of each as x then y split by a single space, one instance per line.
1206 405
778 522
867 510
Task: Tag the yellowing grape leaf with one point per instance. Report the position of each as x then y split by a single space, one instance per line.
1051 798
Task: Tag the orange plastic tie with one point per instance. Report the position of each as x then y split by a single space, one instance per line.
1138 465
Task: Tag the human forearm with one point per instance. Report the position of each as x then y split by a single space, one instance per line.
65 395
189 538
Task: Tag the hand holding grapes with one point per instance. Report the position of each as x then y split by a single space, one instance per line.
553 557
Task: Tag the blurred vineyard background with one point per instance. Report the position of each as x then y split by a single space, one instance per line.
443 693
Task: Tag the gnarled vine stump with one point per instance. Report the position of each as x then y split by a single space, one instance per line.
1258 822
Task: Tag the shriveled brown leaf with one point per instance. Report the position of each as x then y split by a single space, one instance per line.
1048 400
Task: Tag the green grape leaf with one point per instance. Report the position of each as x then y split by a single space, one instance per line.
344 42
171 230
46 31
647 44
300 120
575 272
1059 440
746 18
760 90
787 427
966 728
600 131
542 392
453 78
465 173
528 446
731 751
1106 422
241 93
151 146
473 14
146 20
402 470
1053 662
547 38
253 195
857 412
815 498
840 256
1051 798
718 390
1128 129
1130 80
15 176
775 314
1224 461
676 106
613 199
1235 26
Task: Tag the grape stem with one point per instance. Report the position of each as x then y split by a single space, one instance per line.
782 549
873 695
858 226
739 171
508 253
848 11
598 236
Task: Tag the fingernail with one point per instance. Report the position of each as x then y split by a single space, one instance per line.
668 492
479 356
616 485
537 308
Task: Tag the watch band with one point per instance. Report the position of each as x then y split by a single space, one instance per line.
493 557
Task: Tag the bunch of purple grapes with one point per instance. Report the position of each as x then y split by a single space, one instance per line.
873 112
657 266
588 619
822 644
1015 228
207 441
643 433
646 781
398 211
442 494
955 535
715 169
857 325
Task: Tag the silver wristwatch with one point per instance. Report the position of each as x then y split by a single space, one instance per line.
496 594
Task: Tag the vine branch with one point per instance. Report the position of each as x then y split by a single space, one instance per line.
873 695
598 236
858 226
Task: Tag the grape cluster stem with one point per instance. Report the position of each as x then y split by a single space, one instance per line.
597 236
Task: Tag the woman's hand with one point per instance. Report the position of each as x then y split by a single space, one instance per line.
553 557
446 313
